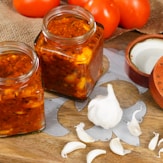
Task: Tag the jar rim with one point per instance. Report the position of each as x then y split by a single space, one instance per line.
73 10
24 48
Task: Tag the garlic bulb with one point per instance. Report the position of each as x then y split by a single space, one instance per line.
105 111
82 135
117 148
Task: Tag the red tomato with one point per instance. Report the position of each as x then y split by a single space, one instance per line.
34 8
106 13
78 2
133 13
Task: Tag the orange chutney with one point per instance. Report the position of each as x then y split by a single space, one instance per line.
21 92
70 49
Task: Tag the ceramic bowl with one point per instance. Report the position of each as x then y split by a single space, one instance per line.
141 57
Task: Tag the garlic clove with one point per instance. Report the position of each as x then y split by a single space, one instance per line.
82 135
133 125
117 148
159 153
160 141
72 146
94 153
153 142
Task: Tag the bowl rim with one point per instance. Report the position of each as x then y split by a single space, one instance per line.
132 44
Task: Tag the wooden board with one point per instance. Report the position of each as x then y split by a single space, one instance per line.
43 148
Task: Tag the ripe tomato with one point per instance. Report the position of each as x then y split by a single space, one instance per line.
133 13
34 8
106 13
78 2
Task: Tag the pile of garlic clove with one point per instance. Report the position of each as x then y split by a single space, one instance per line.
97 111
75 145
115 145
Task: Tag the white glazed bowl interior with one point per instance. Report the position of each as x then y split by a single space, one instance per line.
145 54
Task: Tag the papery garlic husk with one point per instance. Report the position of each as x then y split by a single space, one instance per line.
72 146
93 154
133 125
153 142
105 111
82 135
117 148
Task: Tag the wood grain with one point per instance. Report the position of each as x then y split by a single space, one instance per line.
43 148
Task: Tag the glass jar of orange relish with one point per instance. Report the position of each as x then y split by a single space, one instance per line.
70 49
21 91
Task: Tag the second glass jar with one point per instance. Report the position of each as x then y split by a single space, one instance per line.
21 92
70 49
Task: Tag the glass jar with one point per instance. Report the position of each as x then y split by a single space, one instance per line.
70 49
21 92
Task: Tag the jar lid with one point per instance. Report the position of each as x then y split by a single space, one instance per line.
156 82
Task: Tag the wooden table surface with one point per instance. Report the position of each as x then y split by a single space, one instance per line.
43 148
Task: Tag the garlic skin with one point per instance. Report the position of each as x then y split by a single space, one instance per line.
82 135
133 125
153 142
117 148
72 146
105 111
93 154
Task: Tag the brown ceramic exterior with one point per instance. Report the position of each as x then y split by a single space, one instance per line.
136 75
156 83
